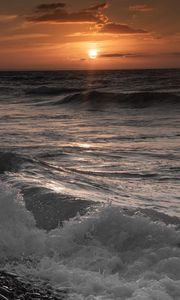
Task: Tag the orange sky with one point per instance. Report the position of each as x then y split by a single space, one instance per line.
58 35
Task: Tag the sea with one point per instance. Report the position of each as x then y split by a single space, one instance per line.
89 181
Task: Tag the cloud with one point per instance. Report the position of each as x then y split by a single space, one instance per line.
117 28
61 16
22 37
123 55
7 18
141 8
139 55
177 54
51 6
101 6
57 12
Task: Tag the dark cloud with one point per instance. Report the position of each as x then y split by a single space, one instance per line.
177 54
118 28
136 55
57 12
101 6
116 55
49 7
62 16
141 8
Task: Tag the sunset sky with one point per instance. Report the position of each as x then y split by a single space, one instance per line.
47 34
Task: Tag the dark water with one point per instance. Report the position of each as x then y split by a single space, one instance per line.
74 142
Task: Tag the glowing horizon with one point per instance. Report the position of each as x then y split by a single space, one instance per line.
55 35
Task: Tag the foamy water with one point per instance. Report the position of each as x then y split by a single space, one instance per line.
106 255
104 145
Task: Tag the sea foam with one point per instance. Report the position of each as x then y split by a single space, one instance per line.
104 255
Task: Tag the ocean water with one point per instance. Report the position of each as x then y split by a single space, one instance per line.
89 181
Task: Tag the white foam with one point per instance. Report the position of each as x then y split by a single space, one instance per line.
106 255
19 235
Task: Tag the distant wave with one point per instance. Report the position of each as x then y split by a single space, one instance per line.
97 100
51 91
7 91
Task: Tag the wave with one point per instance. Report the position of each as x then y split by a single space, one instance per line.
51 91
7 89
107 254
12 162
97 100
48 207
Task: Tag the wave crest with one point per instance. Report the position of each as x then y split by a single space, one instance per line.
12 162
97 100
19 235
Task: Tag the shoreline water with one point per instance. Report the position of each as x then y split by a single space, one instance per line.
15 287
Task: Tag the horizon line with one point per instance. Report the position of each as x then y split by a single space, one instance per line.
85 70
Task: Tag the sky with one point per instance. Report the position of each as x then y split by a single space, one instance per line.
125 34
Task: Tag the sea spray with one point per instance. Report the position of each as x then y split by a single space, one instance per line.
105 255
19 235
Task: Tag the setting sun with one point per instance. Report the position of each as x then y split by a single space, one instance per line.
93 53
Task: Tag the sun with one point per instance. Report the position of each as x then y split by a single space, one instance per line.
93 53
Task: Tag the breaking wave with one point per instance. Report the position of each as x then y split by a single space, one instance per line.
12 162
49 208
96 100
108 254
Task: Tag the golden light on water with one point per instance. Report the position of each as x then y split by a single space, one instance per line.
93 53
